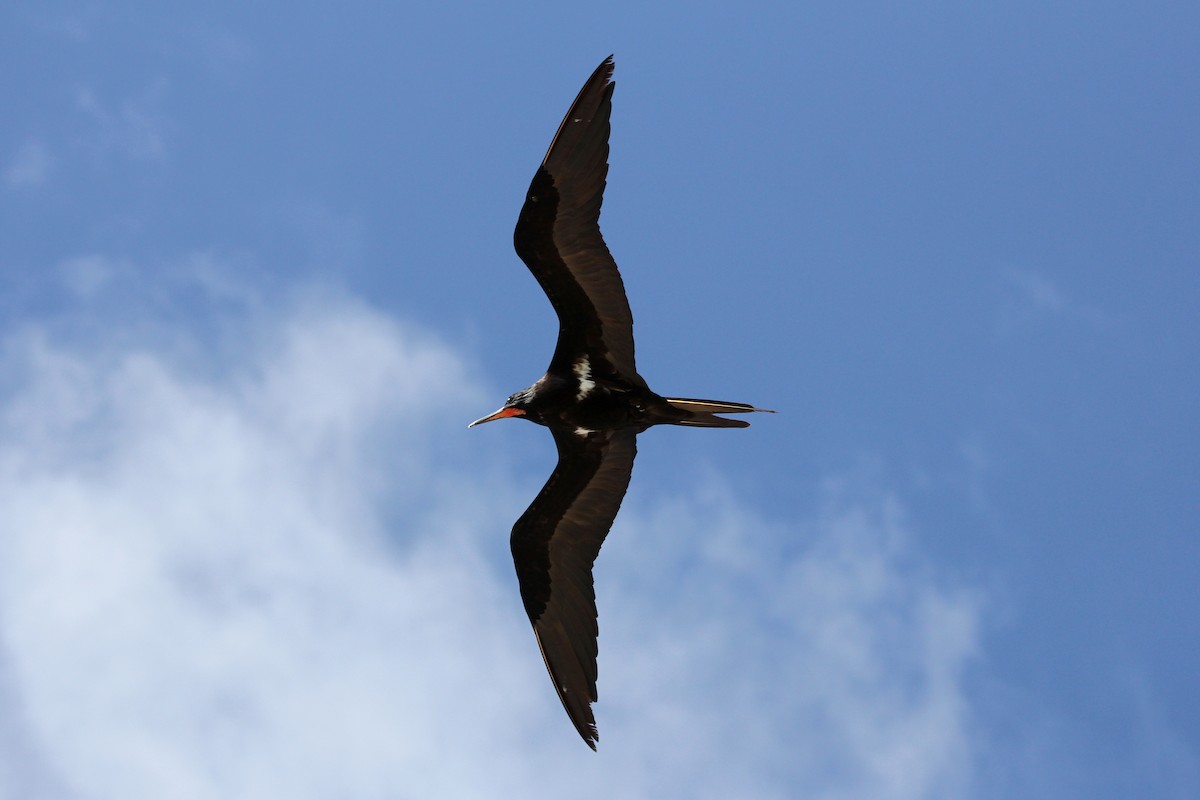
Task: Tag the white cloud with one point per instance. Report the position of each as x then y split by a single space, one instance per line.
820 645
283 578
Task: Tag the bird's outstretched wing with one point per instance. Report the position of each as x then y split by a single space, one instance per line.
558 238
554 544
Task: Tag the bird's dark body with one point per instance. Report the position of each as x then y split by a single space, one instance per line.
591 398
561 402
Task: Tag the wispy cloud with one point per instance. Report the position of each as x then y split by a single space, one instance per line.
823 636
1037 290
1032 296
84 276
133 127
269 578
30 166
1162 758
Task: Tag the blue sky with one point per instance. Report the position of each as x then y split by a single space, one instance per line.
256 276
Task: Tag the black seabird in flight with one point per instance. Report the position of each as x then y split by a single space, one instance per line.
591 398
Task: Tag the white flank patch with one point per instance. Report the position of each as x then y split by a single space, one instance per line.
583 371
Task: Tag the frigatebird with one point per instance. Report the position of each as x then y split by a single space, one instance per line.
591 398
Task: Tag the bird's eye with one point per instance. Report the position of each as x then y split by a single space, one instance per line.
533 198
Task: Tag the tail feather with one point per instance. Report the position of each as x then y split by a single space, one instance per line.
703 412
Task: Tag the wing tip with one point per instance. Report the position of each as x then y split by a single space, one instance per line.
598 86
588 732
580 713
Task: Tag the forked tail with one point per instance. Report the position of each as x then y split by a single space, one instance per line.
703 413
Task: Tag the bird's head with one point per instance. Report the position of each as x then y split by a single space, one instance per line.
517 405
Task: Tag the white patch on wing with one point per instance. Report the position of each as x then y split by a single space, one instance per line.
582 431
583 371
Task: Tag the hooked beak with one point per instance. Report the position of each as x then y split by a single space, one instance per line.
507 411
